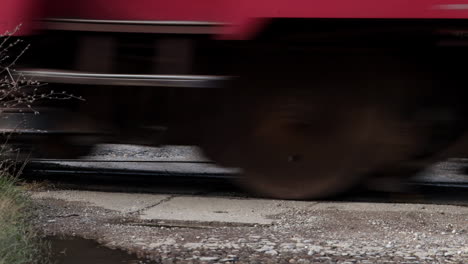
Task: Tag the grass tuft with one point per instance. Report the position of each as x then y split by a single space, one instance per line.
19 242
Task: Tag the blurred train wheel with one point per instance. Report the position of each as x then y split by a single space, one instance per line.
298 148
310 130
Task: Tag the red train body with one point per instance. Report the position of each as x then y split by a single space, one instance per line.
242 18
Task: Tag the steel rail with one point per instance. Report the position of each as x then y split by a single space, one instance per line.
183 170
65 166
162 180
122 160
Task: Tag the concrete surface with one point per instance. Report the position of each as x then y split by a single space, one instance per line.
182 208
199 229
212 209
120 202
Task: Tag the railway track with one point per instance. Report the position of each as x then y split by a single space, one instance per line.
442 184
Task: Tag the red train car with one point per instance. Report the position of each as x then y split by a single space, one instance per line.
240 19
308 97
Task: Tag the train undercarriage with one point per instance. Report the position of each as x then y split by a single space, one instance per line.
304 115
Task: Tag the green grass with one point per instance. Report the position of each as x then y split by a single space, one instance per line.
19 242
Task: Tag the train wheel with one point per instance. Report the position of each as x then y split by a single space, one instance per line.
311 132
293 150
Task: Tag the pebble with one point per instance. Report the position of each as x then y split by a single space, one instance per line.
191 245
264 249
287 245
314 249
227 260
208 258
300 245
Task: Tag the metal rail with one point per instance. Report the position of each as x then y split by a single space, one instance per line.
174 167
159 177
154 80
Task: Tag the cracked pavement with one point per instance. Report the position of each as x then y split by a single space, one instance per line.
213 229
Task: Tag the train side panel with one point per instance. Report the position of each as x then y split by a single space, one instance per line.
247 17
20 12
244 17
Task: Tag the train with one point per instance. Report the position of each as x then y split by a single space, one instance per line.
308 98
